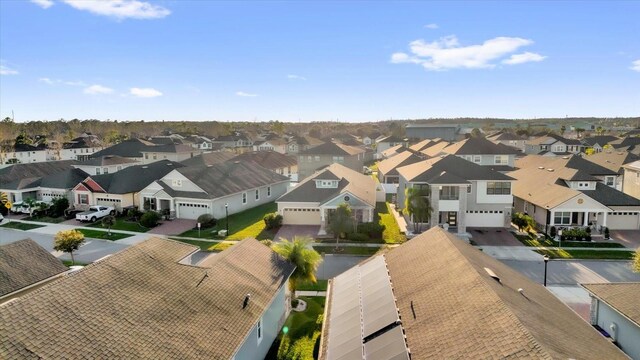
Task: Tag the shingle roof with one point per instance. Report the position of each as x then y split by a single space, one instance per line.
579 163
131 148
360 185
419 146
609 196
106 160
452 308
428 170
170 148
135 178
435 149
393 151
142 303
231 177
600 140
24 263
268 159
479 146
622 297
389 166
208 159
332 148
506 136
33 170
612 160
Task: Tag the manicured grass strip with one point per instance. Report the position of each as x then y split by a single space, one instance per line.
242 225
587 254
304 331
21 226
121 224
532 241
207 245
320 285
391 233
47 219
347 250
104 235
68 263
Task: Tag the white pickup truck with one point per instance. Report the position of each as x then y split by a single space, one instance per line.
95 212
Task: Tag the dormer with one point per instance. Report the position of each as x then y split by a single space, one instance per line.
582 185
326 184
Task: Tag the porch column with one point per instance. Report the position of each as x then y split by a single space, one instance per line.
462 209
370 215
323 222
604 218
585 221
551 218
435 201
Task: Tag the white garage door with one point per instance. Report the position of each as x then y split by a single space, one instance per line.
191 210
623 220
301 216
485 218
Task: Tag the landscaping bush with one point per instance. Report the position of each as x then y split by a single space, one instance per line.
358 237
272 220
133 214
207 220
606 233
149 219
58 206
371 229
3 210
575 234
553 232
523 222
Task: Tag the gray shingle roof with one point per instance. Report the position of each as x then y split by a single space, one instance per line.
142 304
268 159
33 170
209 159
135 178
106 160
600 140
332 148
425 171
609 196
623 297
131 148
579 163
479 146
24 263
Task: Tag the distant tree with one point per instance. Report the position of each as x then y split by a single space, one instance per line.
635 265
68 241
600 130
108 221
476 133
579 132
22 139
341 222
562 130
303 256
417 206
277 127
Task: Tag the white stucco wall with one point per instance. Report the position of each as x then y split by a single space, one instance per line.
628 333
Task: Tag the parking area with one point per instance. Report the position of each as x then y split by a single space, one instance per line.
628 238
173 227
290 231
493 237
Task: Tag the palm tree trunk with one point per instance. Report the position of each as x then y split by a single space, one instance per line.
73 262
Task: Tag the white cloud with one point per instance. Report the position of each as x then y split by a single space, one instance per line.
46 81
74 83
296 77
45 4
97 89
431 26
121 9
635 65
4 70
523 58
242 93
145 92
447 53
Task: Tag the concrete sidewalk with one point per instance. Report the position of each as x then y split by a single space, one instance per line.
311 293
512 253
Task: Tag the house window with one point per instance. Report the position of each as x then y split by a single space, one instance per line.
562 218
449 193
97 171
257 194
469 189
317 158
498 188
609 180
477 159
146 156
268 191
149 203
259 328
244 198
83 199
309 158
105 170
176 182
501 160
338 159
119 168
155 156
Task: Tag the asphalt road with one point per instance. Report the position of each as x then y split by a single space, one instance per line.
334 265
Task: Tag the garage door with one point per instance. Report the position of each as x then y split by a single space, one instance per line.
623 220
301 217
485 218
192 210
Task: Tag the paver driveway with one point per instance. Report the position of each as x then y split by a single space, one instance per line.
290 231
493 237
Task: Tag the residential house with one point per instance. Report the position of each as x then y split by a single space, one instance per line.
553 145
318 157
23 154
510 139
429 131
424 144
392 151
131 149
572 192
437 297
41 181
631 182
597 143
386 143
388 168
200 142
80 148
313 200
170 152
613 160
302 143
435 149
615 311
120 189
484 152
629 143
176 139
461 193
236 140
105 164
286 165
278 145
229 187
152 301
209 159
25 266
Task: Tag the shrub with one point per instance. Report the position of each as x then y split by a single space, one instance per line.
606 233
371 229
576 234
149 219
588 230
266 242
552 232
58 206
207 220
358 237
272 220
523 221
133 214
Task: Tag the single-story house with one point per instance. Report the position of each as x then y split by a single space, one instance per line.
45 188
105 164
172 152
131 148
282 164
153 301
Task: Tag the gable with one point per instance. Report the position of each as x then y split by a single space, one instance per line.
354 201
580 203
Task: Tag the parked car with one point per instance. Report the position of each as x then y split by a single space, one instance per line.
95 212
32 209
16 207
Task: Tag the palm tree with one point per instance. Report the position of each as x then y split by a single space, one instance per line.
303 256
417 206
108 221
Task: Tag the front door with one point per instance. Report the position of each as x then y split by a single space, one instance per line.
452 218
574 218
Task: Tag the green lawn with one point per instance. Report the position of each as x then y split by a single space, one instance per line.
347 250
320 285
68 263
99 234
530 240
47 219
207 245
122 224
21 226
303 333
391 233
242 225
587 254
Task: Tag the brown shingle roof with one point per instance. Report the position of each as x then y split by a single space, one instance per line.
333 148
142 303
387 166
622 297
24 263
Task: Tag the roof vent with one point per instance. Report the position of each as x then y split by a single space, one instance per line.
550 170
237 162
245 303
492 274
541 167
145 167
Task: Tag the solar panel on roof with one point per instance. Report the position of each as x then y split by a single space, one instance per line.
346 338
378 304
389 346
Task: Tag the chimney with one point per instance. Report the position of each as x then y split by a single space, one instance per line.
245 303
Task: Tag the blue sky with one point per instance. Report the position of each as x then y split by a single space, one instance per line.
314 61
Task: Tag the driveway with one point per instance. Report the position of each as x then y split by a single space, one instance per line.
628 238
290 231
173 227
493 237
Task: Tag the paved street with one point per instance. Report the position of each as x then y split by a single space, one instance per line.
334 265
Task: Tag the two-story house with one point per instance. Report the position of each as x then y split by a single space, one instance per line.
613 160
279 145
171 152
388 168
553 145
235 140
302 143
510 139
318 157
484 152
631 183
23 154
131 148
80 148
387 142
461 193
105 164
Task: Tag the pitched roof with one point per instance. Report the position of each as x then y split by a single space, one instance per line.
538 185
170 148
393 151
609 196
435 149
268 159
452 308
389 166
230 177
208 159
600 140
419 146
131 148
479 146
622 297
106 160
24 263
135 178
591 168
15 172
504 136
390 139
360 185
333 148
143 303
457 168
612 160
